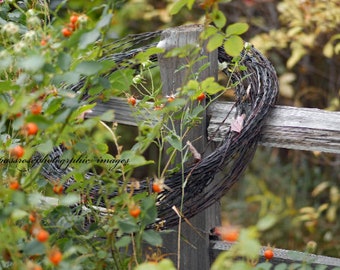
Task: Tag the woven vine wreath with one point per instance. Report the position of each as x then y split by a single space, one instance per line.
213 175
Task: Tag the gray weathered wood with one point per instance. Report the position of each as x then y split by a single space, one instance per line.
286 127
281 256
194 247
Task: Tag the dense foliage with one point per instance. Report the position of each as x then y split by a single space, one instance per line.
46 49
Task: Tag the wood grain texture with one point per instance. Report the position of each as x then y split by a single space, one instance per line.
194 247
286 127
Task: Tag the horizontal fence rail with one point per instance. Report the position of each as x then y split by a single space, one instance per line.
286 127
283 256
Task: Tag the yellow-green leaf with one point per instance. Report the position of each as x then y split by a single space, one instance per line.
237 29
177 6
214 42
190 3
208 32
298 51
328 50
233 45
219 19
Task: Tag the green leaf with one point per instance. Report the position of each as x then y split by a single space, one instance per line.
88 68
208 32
32 63
149 211
124 241
88 38
18 214
248 244
45 147
133 159
241 265
266 222
214 42
218 18
144 56
237 29
175 141
104 21
210 86
177 6
40 120
122 79
281 266
233 46
263 266
190 3
68 78
153 238
34 248
328 50
298 51
69 199
127 226
165 264
107 116
64 61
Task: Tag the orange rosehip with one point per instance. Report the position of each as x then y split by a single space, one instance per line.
231 236
74 19
135 211
268 253
36 108
171 98
58 189
42 235
132 101
157 187
228 233
201 97
14 185
31 128
55 257
67 32
32 217
17 151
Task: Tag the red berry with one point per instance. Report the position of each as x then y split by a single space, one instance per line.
55 257
66 32
42 235
17 151
268 253
132 101
228 233
134 211
58 189
14 185
157 187
201 97
231 236
74 19
171 98
36 108
31 128
32 217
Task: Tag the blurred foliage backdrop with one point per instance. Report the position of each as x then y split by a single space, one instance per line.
298 190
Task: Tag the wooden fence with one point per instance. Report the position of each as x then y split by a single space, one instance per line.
285 127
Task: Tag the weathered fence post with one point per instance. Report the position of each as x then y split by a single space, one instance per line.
194 246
